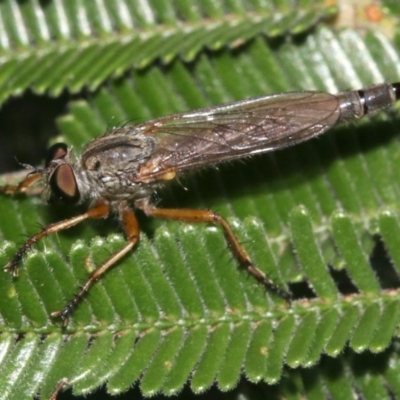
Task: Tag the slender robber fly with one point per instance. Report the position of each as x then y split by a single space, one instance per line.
120 170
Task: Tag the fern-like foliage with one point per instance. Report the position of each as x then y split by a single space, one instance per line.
73 44
320 219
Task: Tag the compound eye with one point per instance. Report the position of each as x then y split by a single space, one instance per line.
55 152
63 184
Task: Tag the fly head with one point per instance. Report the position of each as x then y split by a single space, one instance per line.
62 183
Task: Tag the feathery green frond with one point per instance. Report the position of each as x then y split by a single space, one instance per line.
55 45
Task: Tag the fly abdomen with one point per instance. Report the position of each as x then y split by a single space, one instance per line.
357 103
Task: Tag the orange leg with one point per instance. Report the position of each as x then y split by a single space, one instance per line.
131 228
196 216
99 211
29 180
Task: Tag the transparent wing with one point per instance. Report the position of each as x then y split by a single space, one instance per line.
211 135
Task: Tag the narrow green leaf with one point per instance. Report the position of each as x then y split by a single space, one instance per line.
186 360
350 248
142 274
155 374
31 304
37 370
9 304
95 356
65 363
366 327
116 288
226 271
253 232
210 362
346 324
390 231
178 275
137 362
278 348
87 117
309 255
46 291
208 287
101 299
231 367
73 129
255 363
67 275
326 324
121 349
14 367
302 340
387 326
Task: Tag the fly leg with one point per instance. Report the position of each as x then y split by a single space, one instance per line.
207 216
99 211
22 187
131 228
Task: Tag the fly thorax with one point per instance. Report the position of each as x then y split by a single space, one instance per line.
111 164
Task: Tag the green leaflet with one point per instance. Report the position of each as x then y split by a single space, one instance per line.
50 46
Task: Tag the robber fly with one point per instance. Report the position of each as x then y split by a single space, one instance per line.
120 170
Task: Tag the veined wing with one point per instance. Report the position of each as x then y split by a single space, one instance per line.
211 135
